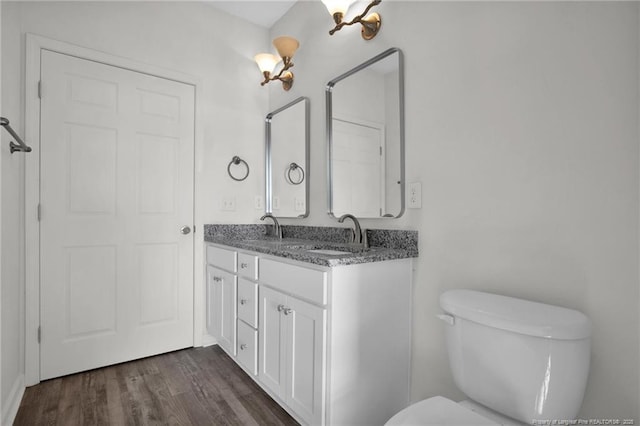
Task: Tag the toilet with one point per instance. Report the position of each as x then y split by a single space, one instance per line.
518 362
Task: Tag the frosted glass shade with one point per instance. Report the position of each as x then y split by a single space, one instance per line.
337 6
266 62
286 46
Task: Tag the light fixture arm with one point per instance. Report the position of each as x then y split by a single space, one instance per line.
370 24
267 76
285 76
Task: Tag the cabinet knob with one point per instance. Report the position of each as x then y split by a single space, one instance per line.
244 265
286 311
217 279
280 308
243 347
243 301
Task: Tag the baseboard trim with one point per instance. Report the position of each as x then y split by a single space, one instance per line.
208 340
11 405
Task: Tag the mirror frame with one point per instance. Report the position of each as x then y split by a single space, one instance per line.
329 126
268 207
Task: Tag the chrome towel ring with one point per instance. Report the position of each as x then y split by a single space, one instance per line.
235 161
300 178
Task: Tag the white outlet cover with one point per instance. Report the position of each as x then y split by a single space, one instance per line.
258 202
415 195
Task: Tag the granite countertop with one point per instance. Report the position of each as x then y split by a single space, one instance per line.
299 241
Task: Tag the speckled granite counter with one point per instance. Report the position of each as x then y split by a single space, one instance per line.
298 241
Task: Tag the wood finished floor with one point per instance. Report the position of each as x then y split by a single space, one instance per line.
197 386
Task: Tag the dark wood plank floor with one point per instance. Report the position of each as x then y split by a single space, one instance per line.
197 386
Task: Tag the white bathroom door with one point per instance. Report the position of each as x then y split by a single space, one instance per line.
358 169
116 188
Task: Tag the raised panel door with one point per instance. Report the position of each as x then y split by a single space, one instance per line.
272 365
222 307
305 359
116 185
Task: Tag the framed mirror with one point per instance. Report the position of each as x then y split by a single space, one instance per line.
287 160
365 139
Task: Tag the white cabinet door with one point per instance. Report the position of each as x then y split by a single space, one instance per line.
271 370
292 352
116 186
305 359
221 307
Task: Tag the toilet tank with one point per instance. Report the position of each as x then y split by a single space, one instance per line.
527 360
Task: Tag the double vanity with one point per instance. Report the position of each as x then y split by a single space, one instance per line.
321 325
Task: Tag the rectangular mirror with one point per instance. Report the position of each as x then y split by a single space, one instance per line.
287 160
365 139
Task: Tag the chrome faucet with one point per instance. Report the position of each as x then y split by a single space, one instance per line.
357 236
277 230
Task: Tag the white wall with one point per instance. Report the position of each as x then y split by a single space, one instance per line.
522 125
1 281
192 38
12 242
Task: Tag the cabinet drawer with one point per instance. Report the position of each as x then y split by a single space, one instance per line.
224 259
306 283
248 347
248 302
248 266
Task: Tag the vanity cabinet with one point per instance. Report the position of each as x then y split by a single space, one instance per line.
330 344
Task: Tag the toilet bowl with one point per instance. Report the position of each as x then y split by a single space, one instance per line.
500 351
439 410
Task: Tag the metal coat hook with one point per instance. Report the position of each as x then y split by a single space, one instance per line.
235 161
20 146
295 167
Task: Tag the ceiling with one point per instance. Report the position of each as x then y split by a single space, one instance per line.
264 13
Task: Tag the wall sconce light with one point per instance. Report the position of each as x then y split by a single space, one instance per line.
370 23
286 47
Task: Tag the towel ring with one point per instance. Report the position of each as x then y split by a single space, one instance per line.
293 167
235 161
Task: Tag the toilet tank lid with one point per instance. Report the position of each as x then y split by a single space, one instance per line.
516 315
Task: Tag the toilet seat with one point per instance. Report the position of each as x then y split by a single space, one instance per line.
437 411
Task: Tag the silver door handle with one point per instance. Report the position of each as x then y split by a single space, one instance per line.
185 230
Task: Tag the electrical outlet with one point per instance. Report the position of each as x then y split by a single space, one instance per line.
415 195
299 204
258 202
229 204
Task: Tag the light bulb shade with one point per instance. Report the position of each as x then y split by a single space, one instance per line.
286 46
337 6
266 62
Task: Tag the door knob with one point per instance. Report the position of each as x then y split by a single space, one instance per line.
185 230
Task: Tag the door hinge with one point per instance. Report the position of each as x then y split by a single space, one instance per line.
39 89
39 213
380 151
194 229
39 334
